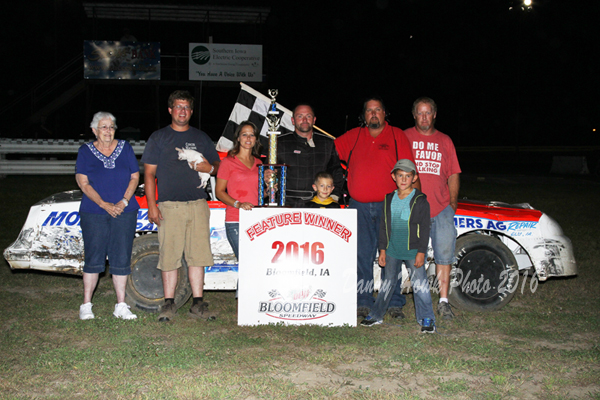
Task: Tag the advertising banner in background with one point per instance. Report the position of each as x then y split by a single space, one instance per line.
225 62
121 60
297 266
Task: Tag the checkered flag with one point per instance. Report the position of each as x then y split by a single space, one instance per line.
252 106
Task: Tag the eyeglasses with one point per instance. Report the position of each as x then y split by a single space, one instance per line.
107 128
179 107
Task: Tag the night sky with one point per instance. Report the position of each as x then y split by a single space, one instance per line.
500 76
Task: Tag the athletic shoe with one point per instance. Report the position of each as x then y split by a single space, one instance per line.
370 321
362 311
396 312
200 311
122 311
428 326
85 311
445 311
167 312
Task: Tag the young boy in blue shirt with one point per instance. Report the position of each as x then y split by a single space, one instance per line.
404 237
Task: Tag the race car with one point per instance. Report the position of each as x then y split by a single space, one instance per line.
496 243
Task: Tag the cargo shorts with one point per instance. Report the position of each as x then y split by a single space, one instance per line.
184 232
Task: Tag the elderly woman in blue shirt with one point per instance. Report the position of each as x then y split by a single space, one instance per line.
107 172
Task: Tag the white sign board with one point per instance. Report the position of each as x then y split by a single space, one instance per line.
225 62
297 266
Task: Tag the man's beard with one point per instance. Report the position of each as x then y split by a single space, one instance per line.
374 125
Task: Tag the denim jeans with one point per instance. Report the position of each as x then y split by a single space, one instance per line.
232 229
443 241
443 236
420 285
105 236
368 217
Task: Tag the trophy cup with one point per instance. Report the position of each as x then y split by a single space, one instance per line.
275 183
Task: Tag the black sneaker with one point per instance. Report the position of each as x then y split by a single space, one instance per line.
428 326
370 321
445 311
363 311
167 312
396 312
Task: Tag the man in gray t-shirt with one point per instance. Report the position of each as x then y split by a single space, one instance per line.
182 213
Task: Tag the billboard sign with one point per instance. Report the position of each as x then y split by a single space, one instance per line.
225 62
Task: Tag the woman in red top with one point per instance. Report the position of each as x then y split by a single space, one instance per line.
237 179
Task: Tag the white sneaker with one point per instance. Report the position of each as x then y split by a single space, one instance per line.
122 311
85 311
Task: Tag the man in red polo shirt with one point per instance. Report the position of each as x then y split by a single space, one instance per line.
370 152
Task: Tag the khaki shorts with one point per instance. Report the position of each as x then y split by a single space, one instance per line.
184 230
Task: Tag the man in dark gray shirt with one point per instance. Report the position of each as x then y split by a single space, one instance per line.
182 214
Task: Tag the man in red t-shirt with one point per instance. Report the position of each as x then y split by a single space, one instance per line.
370 152
439 173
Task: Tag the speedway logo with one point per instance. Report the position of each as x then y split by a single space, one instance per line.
302 307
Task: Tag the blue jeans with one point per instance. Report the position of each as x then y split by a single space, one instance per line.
232 229
443 242
368 217
420 285
443 237
105 236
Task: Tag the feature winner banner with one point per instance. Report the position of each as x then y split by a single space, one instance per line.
297 266
225 62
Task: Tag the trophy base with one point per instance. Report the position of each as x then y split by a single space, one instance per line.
271 192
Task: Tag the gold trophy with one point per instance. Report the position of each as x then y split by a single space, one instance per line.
275 181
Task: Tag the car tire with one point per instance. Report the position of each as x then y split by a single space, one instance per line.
144 289
485 275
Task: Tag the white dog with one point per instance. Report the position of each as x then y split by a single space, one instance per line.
193 157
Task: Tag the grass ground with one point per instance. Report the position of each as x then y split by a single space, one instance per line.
542 345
